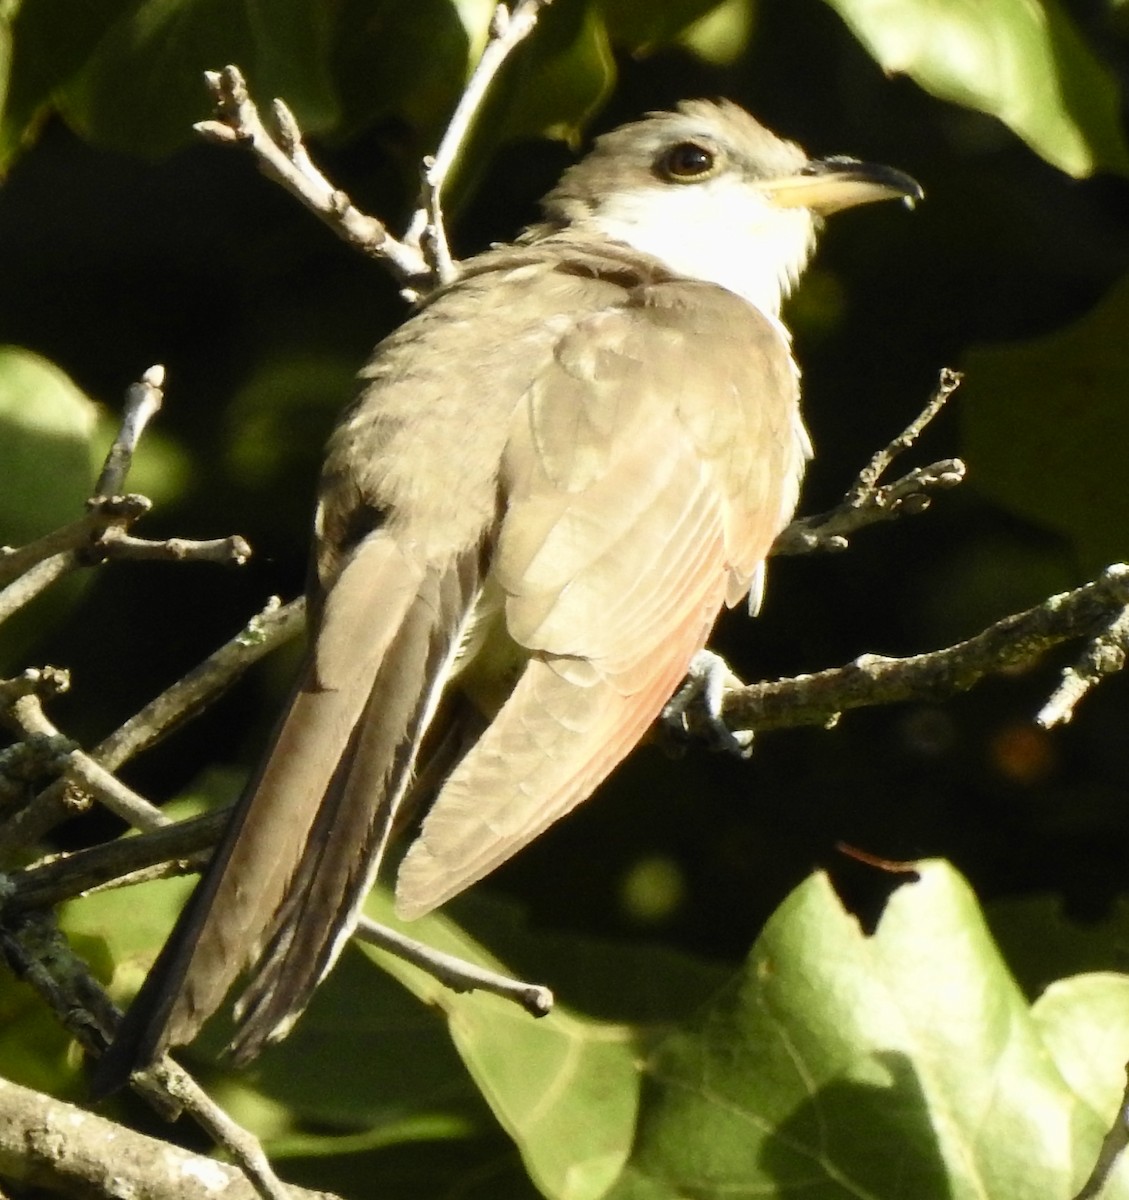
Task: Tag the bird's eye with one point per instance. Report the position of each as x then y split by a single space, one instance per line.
687 162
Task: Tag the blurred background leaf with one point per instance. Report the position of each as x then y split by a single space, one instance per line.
1046 425
47 451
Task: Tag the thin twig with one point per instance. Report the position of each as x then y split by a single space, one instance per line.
103 532
44 682
189 696
101 512
179 703
422 258
237 122
177 846
116 545
456 973
867 503
905 497
175 1083
26 715
37 953
142 403
426 230
59 1149
947 383
33 580
1104 656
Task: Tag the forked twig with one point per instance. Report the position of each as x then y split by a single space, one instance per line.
867 501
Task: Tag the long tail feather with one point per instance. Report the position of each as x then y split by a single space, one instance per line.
266 846
348 840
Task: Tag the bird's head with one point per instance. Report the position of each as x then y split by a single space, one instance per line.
715 196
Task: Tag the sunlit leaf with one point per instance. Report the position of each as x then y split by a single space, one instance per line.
722 35
907 1062
564 1086
1022 61
707 27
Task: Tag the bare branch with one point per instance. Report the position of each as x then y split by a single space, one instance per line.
905 497
44 682
189 696
177 704
422 258
456 973
103 533
867 503
947 383
142 403
1104 656
507 30
177 848
237 122
1016 642
37 952
36 566
35 756
172 1081
26 715
99 536
48 1144
116 544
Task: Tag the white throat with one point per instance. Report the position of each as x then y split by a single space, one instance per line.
723 231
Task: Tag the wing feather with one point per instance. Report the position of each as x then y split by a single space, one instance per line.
649 468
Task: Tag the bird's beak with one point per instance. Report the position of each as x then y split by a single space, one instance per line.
827 185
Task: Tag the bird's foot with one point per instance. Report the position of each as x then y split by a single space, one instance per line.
696 707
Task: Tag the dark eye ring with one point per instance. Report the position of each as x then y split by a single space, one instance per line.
686 162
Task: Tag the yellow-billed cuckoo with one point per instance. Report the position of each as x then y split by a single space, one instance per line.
558 471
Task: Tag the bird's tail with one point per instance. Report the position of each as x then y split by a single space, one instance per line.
305 842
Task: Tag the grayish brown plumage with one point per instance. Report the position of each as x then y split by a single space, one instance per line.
557 473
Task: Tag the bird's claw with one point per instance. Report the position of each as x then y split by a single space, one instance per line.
707 680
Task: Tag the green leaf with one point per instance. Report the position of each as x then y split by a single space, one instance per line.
555 82
50 40
1083 1025
363 1015
127 927
412 60
1046 426
723 34
35 1050
642 28
123 929
1042 944
832 1064
142 87
906 1063
903 1063
1022 61
47 461
564 1087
